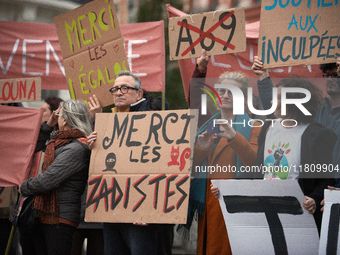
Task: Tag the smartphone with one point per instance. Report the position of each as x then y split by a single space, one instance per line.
213 130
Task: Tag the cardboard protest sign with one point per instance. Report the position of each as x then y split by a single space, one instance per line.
218 32
241 61
268 215
92 48
20 90
306 32
19 129
139 168
330 238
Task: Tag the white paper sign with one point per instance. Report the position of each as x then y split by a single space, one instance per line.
330 239
267 217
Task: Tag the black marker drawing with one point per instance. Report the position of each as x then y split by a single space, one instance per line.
110 163
271 206
333 230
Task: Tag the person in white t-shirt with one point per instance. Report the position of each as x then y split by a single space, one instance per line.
293 143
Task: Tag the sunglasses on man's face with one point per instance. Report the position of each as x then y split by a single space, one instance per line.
124 89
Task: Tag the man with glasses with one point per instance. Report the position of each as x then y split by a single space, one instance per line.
328 113
126 238
127 95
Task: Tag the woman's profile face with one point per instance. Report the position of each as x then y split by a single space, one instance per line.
61 120
226 95
47 111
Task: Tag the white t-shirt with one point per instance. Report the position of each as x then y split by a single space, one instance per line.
282 151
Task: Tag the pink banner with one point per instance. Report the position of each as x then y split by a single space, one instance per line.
145 51
19 129
32 49
241 61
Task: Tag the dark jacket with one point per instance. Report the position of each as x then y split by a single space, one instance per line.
68 174
317 143
44 135
141 107
326 115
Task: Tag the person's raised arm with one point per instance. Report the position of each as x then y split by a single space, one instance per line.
264 84
203 61
94 106
201 66
258 69
45 131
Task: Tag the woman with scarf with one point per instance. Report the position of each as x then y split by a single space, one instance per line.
58 189
234 146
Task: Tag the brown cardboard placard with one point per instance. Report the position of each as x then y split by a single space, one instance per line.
96 77
90 25
218 32
143 159
307 33
20 90
149 198
92 49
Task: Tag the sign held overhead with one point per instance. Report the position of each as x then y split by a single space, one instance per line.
306 32
218 32
92 49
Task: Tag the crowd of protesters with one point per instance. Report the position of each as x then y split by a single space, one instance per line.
67 136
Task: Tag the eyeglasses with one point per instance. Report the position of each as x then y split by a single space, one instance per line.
221 92
57 114
124 89
332 75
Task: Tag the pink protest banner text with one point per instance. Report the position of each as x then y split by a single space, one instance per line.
32 49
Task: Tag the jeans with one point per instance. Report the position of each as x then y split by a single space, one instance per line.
126 238
54 239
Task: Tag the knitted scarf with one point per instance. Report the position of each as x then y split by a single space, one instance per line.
48 203
198 184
